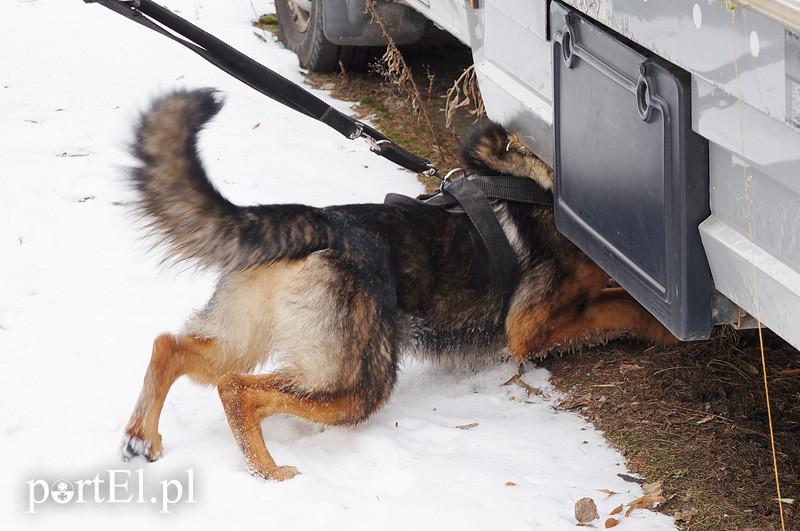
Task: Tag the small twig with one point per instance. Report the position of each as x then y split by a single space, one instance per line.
669 369
517 380
631 479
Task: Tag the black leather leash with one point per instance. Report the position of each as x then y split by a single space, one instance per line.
473 194
268 82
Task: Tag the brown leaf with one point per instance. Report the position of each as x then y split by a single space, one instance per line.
467 426
608 491
575 402
517 380
617 509
628 367
510 484
652 497
611 522
683 516
586 511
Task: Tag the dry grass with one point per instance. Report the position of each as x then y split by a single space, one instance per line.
694 417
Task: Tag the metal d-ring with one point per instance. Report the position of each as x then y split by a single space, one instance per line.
446 178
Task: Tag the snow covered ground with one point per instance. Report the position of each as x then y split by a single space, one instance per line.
81 300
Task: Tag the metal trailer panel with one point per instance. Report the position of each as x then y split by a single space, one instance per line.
512 61
631 175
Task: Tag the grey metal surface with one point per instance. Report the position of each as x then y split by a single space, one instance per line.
752 238
450 15
707 38
512 61
631 181
346 23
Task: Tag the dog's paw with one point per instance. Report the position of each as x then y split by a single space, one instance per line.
133 446
280 473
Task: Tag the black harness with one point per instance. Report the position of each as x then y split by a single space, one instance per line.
473 194
476 196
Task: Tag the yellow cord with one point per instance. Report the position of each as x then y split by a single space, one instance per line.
731 6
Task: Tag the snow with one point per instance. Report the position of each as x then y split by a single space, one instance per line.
81 299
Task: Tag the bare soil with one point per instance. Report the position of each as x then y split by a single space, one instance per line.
695 418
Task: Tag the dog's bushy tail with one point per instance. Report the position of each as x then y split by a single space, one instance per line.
187 214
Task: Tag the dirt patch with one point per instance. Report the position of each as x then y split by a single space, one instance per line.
694 418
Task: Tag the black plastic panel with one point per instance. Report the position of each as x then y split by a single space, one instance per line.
631 176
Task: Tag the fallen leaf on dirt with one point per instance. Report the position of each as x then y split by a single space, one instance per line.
467 426
575 402
586 511
611 522
750 368
627 367
617 509
789 372
652 497
631 479
705 419
608 491
683 516
510 484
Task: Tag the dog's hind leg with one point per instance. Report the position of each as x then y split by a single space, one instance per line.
173 356
248 399
335 327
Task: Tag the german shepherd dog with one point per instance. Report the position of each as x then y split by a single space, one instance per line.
335 295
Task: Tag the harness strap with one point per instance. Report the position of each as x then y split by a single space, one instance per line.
473 194
259 77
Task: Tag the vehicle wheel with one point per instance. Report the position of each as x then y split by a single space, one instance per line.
301 32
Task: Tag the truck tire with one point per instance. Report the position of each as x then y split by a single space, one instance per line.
302 33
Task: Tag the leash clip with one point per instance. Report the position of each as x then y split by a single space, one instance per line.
375 145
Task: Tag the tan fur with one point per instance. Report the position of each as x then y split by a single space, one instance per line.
248 399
